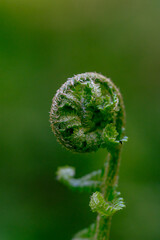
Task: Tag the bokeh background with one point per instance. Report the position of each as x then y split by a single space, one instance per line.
42 43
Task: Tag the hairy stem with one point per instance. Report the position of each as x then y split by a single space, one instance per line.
110 180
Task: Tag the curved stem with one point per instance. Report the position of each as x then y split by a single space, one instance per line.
110 180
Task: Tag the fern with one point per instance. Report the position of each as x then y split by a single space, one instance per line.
87 113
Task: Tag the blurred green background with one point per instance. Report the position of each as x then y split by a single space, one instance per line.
42 43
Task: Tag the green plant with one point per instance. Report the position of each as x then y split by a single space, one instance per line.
87 113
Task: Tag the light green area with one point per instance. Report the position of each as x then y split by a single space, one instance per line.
98 204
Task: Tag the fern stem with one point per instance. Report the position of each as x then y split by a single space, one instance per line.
110 180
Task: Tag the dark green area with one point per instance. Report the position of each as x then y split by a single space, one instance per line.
42 43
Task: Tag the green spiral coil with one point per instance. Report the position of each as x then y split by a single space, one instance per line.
87 113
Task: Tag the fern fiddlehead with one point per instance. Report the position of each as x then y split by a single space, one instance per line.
87 113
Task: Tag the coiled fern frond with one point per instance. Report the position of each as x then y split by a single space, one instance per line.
87 113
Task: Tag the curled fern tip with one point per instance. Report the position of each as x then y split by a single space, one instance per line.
87 113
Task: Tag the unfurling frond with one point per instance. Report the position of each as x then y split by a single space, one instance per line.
89 182
98 204
87 113
86 234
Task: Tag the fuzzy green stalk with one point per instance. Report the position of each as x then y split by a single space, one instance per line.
110 181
